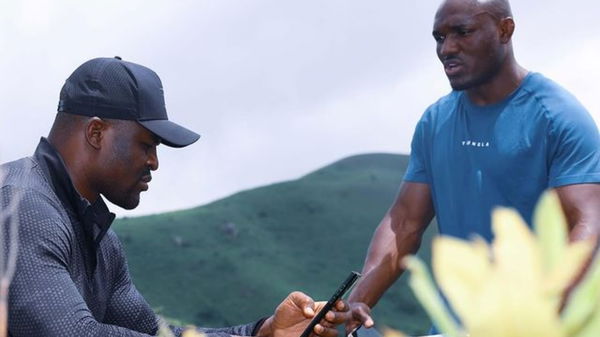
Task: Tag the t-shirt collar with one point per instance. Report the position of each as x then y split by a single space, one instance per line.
494 107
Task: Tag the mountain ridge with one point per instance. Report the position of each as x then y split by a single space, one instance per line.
233 260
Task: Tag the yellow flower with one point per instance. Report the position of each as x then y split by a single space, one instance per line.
513 287
192 333
387 332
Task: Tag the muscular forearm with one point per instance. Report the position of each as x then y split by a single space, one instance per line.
383 264
583 231
581 205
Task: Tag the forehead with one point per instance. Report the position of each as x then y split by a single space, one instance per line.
454 13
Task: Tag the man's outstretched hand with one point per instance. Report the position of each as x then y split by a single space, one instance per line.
360 314
295 313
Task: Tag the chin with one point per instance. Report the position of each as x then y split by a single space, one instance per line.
457 87
126 203
460 84
131 204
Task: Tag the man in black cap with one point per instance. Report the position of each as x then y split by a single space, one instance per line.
72 277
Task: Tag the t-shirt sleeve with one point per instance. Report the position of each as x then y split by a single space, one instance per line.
417 166
574 146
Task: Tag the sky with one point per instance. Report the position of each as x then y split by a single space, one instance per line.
276 88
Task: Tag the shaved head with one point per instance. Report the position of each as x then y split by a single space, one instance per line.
499 9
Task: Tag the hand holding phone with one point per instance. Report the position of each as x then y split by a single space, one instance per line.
347 284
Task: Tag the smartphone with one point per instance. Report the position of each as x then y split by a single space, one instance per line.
348 283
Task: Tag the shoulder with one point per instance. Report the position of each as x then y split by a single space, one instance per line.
26 175
555 102
548 92
444 105
41 216
440 111
20 173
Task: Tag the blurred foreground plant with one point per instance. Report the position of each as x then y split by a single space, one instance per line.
9 222
513 287
165 331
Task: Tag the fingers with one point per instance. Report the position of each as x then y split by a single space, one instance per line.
342 306
323 331
362 313
340 313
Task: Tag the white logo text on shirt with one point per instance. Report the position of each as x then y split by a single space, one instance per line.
472 143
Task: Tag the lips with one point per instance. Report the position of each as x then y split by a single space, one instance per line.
144 182
452 67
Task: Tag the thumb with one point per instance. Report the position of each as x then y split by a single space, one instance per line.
304 303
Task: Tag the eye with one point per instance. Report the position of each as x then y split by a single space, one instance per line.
438 37
147 147
464 31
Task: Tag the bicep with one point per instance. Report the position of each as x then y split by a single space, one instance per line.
581 205
574 151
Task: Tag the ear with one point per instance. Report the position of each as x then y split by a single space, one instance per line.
507 28
95 132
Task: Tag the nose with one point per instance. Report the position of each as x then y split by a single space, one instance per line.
152 161
447 47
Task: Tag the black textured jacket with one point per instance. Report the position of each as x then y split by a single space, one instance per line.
72 278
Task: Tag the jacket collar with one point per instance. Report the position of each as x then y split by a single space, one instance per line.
94 217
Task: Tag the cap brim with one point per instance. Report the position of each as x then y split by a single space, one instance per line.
170 134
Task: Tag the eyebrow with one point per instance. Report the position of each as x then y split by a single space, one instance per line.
452 28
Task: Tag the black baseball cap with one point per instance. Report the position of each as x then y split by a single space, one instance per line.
115 89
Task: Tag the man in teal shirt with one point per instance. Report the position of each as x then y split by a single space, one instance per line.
500 138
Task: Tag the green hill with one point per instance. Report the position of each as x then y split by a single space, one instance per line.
235 259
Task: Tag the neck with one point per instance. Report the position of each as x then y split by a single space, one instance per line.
76 166
506 81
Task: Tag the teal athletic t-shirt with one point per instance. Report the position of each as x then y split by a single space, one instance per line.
475 158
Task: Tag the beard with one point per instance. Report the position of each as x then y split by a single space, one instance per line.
469 81
481 74
126 200
123 185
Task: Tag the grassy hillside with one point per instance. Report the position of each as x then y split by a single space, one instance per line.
233 260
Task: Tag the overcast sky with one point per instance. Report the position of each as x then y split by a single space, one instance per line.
276 88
